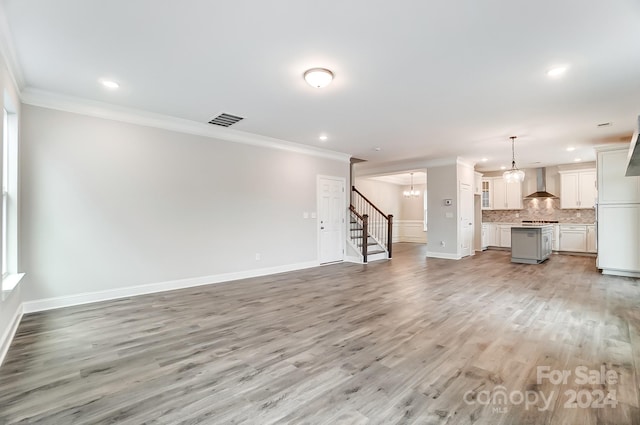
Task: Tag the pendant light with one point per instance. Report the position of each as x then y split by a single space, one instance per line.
514 174
411 193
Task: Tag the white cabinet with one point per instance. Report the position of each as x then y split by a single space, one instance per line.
485 236
613 186
505 236
556 237
591 238
506 196
618 241
573 238
577 189
487 194
491 235
477 183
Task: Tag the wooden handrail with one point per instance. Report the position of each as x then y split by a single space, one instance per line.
353 210
353 188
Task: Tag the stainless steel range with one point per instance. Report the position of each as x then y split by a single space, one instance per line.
531 243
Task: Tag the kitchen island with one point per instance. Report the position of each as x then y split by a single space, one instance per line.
531 244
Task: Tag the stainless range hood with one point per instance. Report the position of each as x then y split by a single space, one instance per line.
541 186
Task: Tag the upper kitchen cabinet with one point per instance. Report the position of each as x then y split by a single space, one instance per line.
506 196
613 186
577 188
487 194
477 186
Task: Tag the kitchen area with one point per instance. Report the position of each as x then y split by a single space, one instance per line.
554 209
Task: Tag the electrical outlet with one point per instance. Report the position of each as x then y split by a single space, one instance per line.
257 257
517 215
578 214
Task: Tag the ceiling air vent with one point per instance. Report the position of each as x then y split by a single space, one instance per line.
225 120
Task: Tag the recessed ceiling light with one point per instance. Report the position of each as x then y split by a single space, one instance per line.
110 84
578 159
323 137
484 159
318 77
571 149
557 71
503 168
377 149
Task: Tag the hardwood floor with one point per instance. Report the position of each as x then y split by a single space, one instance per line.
407 341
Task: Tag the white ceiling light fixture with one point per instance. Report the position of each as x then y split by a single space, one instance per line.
514 174
110 84
412 193
318 77
571 149
502 167
323 138
484 159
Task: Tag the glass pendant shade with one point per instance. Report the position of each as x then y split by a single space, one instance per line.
514 175
412 193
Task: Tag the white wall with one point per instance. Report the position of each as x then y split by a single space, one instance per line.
109 205
443 184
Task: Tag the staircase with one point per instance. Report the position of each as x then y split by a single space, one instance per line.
370 230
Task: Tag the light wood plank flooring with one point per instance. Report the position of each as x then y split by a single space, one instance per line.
407 341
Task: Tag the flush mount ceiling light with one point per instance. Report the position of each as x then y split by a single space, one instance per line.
514 174
318 77
558 71
323 138
484 159
411 193
110 84
571 149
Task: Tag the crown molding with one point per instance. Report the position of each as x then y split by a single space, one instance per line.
8 52
109 111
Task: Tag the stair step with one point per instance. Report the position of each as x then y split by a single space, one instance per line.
379 251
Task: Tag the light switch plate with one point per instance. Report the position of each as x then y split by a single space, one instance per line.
313 215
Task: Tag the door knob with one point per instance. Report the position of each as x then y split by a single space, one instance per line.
321 227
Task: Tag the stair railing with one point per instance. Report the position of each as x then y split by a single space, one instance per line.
378 224
363 221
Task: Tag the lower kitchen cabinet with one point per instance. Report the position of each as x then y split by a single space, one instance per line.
556 237
505 236
573 238
591 239
485 236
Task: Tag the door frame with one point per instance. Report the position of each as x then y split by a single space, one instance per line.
471 217
343 208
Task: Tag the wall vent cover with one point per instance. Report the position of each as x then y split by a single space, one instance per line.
225 120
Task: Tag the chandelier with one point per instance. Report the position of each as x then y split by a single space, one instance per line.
411 193
514 174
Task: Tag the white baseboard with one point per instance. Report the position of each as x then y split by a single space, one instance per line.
620 273
443 255
8 335
112 294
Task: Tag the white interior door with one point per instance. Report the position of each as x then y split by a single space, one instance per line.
331 214
466 218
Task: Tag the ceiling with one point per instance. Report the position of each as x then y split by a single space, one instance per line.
413 78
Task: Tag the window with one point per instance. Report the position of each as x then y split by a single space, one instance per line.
5 190
9 225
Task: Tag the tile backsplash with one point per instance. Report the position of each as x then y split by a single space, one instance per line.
538 209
